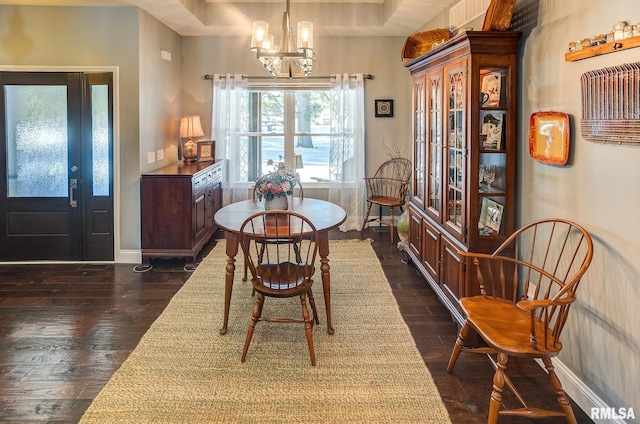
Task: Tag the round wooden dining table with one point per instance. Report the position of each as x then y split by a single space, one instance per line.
324 215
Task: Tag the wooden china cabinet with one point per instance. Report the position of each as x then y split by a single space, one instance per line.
464 155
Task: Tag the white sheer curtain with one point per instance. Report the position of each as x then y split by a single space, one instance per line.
228 112
346 167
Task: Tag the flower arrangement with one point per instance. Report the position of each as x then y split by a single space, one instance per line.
279 181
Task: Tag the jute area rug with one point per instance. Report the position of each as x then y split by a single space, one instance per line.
184 371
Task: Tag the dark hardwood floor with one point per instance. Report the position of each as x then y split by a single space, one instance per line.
65 329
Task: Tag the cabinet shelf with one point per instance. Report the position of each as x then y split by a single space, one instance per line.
593 51
490 191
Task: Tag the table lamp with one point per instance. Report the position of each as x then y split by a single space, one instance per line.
190 127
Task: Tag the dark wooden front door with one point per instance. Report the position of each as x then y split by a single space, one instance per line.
56 154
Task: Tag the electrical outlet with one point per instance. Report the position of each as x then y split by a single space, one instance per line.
160 154
151 157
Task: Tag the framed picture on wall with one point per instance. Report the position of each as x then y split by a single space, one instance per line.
206 150
384 108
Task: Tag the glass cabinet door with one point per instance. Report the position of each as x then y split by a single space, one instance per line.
434 144
419 139
492 158
456 148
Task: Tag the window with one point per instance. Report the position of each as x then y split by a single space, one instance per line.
291 126
326 130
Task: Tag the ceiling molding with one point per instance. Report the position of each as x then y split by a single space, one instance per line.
230 18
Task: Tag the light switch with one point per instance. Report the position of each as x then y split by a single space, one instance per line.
151 157
160 154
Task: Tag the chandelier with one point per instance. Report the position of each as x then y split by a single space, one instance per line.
281 62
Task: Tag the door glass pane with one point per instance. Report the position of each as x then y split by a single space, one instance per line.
435 141
37 146
100 142
456 148
419 139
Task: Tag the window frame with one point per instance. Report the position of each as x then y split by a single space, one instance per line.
289 118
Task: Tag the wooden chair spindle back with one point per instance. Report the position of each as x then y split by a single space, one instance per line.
546 261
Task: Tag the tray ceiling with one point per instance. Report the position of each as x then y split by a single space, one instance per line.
330 17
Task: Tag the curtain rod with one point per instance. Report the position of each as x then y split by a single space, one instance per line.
208 76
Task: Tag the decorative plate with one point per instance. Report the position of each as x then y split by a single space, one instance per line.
549 137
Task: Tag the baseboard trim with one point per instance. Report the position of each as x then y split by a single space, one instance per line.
122 257
579 392
129 257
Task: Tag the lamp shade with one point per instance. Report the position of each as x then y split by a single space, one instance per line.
190 126
259 34
269 44
305 35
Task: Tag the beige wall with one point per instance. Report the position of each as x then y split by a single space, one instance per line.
77 38
160 92
149 88
596 189
160 108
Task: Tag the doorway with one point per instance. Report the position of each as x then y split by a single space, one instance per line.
56 154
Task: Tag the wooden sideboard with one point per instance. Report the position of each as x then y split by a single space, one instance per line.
177 207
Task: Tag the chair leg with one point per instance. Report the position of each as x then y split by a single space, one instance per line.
366 216
498 385
312 302
308 328
246 269
255 317
391 230
565 405
457 348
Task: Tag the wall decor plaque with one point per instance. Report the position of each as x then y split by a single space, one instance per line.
549 137
384 108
